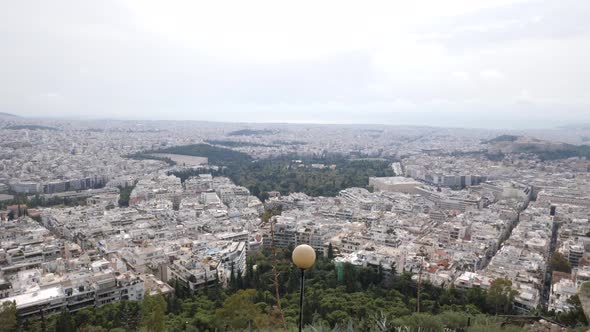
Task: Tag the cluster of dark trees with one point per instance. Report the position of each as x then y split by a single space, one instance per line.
124 194
40 201
216 155
146 156
286 174
147 315
366 298
186 173
251 132
21 211
502 138
559 263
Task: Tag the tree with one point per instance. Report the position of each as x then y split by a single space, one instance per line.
239 280
238 311
232 278
500 296
124 195
65 323
330 251
249 279
393 269
130 315
153 317
351 277
559 263
575 316
293 280
326 303
476 296
33 325
8 320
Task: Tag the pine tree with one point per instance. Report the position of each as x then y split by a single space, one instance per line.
8 320
130 315
393 269
214 292
293 281
232 278
153 317
239 280
65 323
249 280
330 251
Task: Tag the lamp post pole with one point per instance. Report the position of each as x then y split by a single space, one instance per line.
303 258
301 300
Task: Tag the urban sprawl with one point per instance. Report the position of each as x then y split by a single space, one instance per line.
450 214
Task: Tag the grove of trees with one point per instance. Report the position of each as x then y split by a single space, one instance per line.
282 173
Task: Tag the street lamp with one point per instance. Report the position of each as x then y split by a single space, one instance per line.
303 258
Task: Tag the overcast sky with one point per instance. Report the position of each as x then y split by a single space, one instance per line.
497 63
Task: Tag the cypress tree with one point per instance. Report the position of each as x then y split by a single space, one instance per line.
239 280
232 278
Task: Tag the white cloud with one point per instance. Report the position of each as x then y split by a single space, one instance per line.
50 95
461 75
491 74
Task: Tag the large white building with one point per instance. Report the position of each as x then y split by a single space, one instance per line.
74 294
394 184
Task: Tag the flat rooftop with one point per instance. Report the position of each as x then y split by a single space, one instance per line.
395 180
36 297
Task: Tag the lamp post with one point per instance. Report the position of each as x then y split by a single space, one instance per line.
303 258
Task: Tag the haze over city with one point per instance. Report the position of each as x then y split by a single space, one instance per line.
490 64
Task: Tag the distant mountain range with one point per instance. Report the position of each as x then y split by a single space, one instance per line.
8 115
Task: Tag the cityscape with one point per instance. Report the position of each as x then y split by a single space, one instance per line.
310 166
92 213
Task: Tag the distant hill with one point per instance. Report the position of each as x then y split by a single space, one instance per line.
503 138
8 115
250 132
566 151
545 150
30 127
